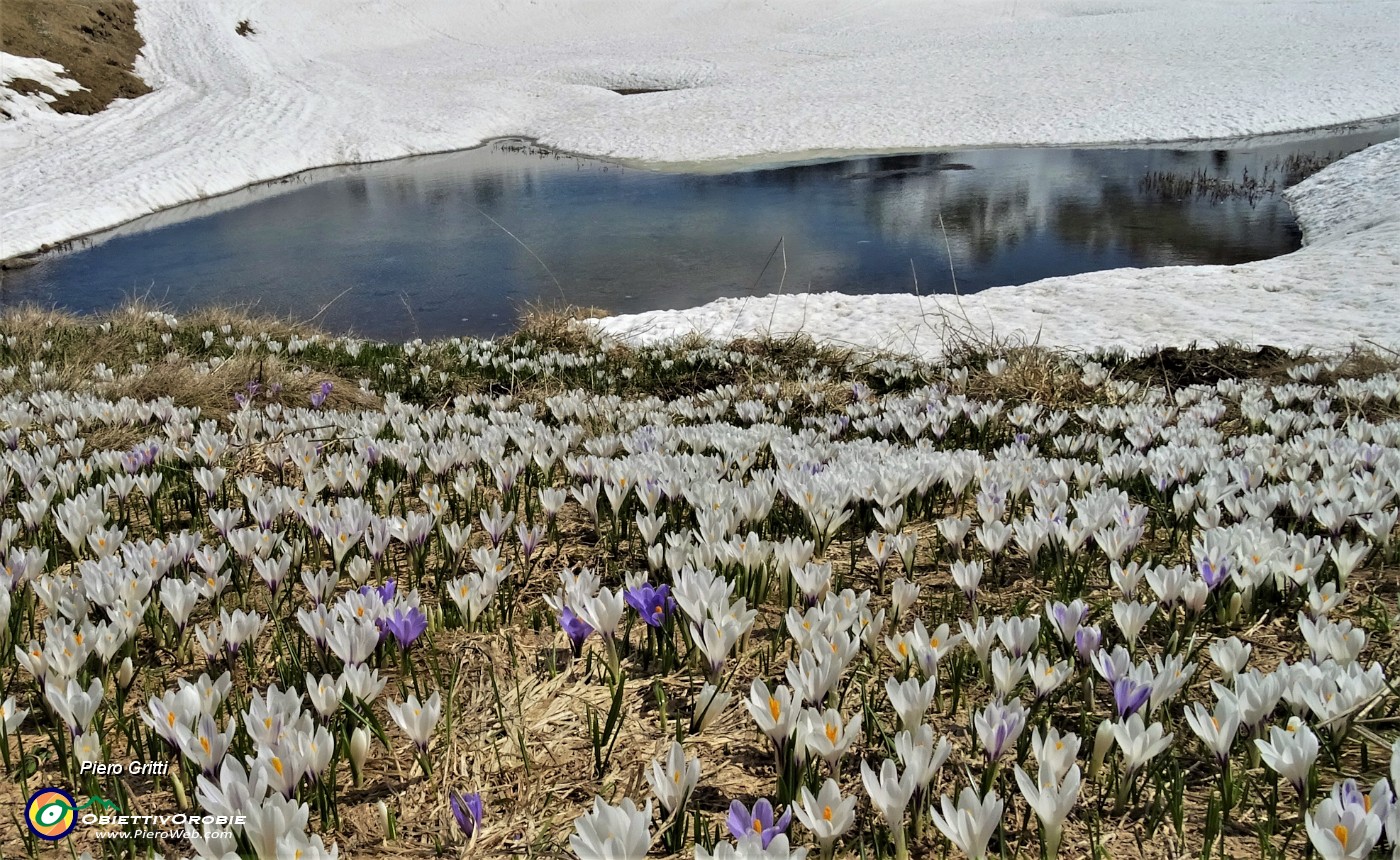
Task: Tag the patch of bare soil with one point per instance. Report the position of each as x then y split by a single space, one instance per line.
95 40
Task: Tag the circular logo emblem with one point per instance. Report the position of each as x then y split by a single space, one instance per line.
51 813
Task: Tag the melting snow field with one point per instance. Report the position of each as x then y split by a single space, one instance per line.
320 82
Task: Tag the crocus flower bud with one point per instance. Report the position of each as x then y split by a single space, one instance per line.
359 752
1236 604
1103 742
182 800
125 673
386 821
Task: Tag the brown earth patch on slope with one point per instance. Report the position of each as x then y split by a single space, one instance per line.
96 41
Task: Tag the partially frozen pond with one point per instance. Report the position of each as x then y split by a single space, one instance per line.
457 243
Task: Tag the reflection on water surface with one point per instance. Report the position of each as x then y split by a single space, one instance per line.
457 243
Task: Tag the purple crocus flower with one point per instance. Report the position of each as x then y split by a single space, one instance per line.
576 628
1087 640
743 823
321 394
1213 570
998 726
243 399
386 591
1129 696
405 626
529 539
467 809
653 604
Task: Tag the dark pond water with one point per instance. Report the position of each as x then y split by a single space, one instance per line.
437 245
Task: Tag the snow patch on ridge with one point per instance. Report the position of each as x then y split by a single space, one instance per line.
47 74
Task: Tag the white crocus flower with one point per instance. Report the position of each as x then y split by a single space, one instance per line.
910 699
1230 655
235 793
674 779
603 611
418 719
902 647
11 715
715 641
751 848
1051 799
1047 677
280 766
1290 752
353 639
709 706
1055 749
776 713
1348 557
325 694
890 793
1139 743
929 648
362 683
967 575
610 832
1131 618
920 755
971 823
205 745
827 737
979 637
212 843
1217 731
271 823
812 678
1007 673
903 595
74 705
359 752
828 815
87 748
1343 831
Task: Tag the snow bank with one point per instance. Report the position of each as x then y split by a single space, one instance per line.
1341 289
324 81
